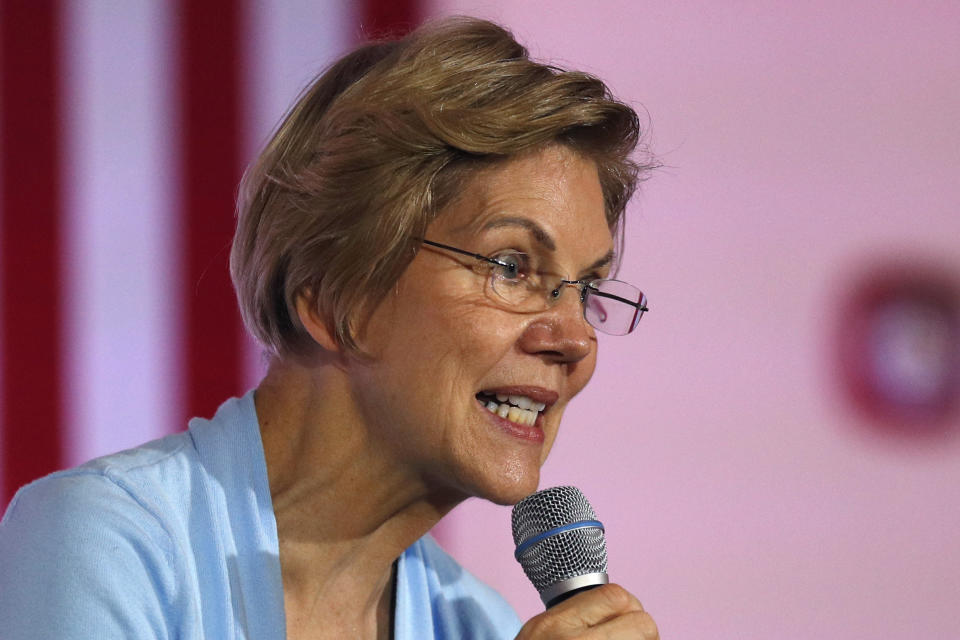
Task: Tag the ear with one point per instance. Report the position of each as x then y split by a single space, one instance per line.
315 324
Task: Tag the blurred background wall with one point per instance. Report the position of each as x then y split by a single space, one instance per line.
750 486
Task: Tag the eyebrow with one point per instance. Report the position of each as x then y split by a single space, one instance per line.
602 262
538 232
542 237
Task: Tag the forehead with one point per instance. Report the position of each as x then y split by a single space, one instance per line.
553 192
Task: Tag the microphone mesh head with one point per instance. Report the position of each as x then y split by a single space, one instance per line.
563 555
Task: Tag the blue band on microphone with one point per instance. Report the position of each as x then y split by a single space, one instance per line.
583 524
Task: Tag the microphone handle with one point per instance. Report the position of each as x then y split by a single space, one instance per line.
564 596
557 593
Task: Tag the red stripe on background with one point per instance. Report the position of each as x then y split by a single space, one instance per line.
390 17
30 235
210 113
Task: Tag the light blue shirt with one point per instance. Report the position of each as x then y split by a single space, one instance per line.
177 539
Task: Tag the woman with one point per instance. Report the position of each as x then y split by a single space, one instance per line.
423 250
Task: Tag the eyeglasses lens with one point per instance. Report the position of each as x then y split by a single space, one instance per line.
608 314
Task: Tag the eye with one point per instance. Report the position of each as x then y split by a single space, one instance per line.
512 265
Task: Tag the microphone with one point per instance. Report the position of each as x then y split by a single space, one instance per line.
560 543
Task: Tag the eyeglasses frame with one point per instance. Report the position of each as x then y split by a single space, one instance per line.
583 285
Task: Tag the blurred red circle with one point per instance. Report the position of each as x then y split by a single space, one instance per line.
900 348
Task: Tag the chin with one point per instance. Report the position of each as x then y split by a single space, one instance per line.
512 482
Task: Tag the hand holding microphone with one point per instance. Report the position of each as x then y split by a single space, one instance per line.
561 546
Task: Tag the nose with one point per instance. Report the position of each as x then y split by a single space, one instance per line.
560 333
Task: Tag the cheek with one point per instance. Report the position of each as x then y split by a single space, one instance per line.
583 371
578 375
484 337
438 350
464 329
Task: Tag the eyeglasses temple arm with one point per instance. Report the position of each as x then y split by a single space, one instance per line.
464 252
597 292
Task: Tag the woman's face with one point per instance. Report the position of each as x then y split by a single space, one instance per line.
443 346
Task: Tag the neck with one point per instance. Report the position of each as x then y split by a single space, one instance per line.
345 507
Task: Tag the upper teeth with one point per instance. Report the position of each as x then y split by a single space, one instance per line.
523 409
521 401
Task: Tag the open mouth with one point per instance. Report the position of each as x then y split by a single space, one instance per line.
517 409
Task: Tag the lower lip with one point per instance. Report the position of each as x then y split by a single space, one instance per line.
523 432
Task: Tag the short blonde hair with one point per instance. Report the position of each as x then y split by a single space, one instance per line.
374 149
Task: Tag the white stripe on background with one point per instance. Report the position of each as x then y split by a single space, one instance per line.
121 340
289 43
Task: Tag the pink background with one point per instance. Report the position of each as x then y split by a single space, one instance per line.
804 143
743 496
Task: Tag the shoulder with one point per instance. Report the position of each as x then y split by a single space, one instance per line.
110 491
462 605
137 489
82 545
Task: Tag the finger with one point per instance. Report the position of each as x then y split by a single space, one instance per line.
635 625
593 607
